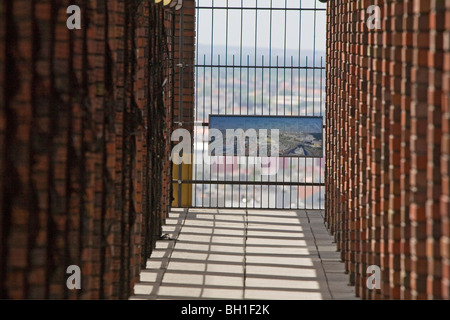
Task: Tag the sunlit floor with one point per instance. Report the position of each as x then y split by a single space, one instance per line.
239 254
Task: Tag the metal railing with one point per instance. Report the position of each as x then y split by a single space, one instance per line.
264 58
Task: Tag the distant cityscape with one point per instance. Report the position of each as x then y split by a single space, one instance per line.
260 90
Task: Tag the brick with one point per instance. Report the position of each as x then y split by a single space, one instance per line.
403 166
74 203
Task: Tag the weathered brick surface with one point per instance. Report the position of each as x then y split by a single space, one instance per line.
85 124
387 145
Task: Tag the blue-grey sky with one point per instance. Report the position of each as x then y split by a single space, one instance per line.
258 27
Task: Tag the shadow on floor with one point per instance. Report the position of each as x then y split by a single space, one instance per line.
244 254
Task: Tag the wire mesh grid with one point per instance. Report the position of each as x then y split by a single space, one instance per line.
260 57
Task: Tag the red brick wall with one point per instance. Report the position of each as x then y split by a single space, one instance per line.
84 141
187 57
445 159
388 148
184 93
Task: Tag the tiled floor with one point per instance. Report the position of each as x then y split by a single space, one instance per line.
239 254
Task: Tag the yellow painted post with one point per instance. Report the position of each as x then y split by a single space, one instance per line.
186 188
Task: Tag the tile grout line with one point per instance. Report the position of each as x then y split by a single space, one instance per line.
208 255
318 253
245 254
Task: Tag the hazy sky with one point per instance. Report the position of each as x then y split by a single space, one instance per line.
259 27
